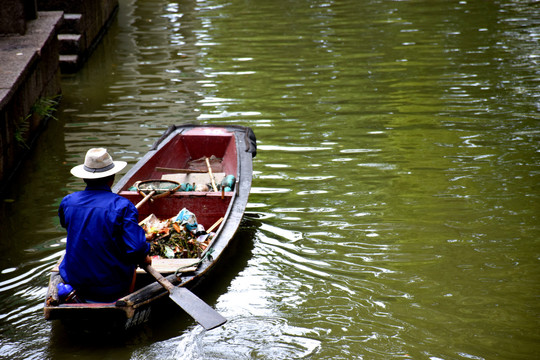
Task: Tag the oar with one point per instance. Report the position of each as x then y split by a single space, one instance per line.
191 303
145 198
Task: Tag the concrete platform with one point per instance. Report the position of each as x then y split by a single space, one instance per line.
29 71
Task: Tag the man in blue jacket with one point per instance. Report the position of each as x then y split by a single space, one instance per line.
104 240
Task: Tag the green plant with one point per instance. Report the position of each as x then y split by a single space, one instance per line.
43 107
46 106
21 128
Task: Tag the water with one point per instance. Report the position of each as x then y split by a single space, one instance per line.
394 210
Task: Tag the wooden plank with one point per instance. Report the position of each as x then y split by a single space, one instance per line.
56 267
181 171
169 266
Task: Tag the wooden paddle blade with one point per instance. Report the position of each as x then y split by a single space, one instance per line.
203 313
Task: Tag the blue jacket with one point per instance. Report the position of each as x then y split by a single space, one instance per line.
104 243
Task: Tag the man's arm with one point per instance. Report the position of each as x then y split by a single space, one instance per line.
137 248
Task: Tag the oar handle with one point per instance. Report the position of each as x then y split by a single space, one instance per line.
145 198
215 225
160 279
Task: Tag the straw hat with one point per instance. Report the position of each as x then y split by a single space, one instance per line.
97 164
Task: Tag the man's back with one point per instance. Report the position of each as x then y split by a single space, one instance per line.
104 243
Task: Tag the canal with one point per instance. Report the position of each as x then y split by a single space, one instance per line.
394 212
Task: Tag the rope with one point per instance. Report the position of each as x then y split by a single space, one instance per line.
206 254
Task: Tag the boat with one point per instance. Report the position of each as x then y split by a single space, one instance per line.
185 154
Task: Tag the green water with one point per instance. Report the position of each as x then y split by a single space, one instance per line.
395 203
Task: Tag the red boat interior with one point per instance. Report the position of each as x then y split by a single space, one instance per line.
188 151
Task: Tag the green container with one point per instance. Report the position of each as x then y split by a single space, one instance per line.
228 182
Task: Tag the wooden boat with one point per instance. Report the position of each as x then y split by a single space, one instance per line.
176 155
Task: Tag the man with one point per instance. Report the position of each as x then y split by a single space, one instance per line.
104 240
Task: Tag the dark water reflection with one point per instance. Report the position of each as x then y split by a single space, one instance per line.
394 212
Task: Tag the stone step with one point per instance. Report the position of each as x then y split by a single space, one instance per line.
69 44
72 24
69 63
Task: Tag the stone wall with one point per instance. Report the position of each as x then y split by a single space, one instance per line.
14 14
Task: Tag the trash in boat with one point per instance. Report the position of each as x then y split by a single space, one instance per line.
175 238
187 218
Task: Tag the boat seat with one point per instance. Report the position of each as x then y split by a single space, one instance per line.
169 266
195 178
